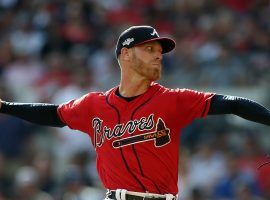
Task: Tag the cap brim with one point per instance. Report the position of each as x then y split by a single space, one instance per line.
166 43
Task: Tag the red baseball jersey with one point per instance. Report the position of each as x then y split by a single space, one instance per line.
137 142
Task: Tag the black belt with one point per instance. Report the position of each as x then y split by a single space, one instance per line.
133 197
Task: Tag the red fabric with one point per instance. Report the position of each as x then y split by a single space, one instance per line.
107 118
165 27
76 32
264 178
143 3
239 5
62 78
260 167
124 16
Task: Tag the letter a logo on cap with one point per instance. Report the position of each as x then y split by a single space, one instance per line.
154 33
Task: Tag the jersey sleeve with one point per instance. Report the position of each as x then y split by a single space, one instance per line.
76 113
192 104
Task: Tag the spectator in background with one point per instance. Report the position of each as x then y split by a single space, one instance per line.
14 133
5 180
75 29
244 192
26 185
39 39
232 70
43 163
25 39
251 158
236 183
5 54
206 167
21 75
56 75
75 187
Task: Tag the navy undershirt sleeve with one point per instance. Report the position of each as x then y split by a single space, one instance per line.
37 113
242 107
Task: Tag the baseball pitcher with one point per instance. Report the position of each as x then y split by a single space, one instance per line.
135 127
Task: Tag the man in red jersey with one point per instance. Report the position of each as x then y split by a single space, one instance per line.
135 127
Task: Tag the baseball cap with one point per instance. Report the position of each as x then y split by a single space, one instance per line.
136 35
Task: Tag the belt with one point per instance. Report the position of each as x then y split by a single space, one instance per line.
112 195
133 197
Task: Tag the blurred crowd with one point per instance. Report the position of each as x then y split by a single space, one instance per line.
56 50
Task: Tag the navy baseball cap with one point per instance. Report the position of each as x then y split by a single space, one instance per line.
137 35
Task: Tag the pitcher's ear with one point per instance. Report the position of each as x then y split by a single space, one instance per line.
125 53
